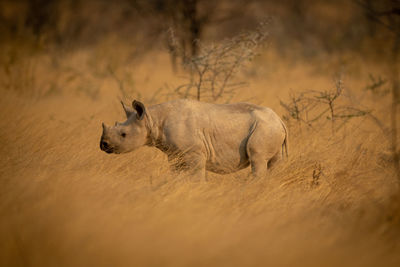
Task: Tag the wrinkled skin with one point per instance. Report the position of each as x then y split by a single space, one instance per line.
199 136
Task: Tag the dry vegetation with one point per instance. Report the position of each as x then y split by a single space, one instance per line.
63 202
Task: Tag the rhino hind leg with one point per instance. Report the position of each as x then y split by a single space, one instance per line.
258 165
274 160
262 150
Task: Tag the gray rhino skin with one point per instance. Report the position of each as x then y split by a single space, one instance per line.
198 136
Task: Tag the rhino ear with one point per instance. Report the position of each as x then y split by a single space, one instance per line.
128 110
140 109
104 126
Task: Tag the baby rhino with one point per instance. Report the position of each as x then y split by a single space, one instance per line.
198 136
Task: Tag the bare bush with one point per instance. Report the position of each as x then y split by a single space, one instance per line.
376 85
386 14
212 73
21 72
18 73
310 107
125 84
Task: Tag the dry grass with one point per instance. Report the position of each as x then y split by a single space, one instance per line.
63 202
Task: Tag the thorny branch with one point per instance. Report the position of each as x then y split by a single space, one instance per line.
311 106
212 71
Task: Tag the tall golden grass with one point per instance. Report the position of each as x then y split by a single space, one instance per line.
63 202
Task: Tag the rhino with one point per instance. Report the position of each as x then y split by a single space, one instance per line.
199 137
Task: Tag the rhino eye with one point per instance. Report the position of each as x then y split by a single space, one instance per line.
123 134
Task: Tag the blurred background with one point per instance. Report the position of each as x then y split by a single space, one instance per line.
110 37
330 69
310 26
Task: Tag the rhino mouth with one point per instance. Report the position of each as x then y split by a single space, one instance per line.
107 148
108 151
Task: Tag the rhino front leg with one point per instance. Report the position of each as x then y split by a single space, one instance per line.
196 163
191 163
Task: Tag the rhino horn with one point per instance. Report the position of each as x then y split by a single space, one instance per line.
128 110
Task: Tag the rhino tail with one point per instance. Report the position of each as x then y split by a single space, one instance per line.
285 144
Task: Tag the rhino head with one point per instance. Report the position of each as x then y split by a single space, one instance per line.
126 136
